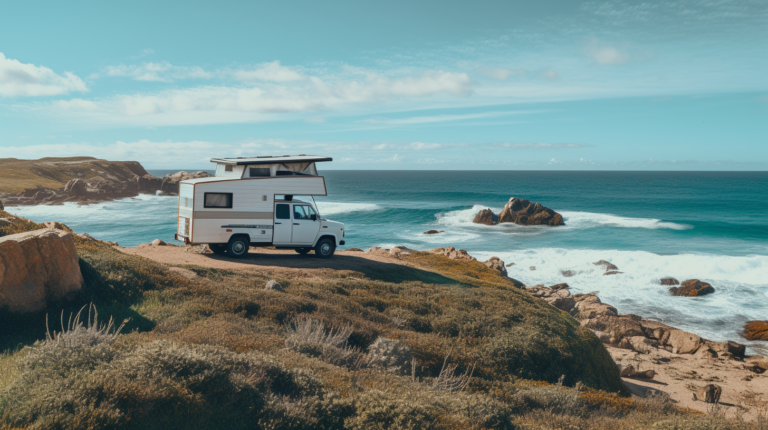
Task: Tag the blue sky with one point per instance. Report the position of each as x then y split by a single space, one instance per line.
616 85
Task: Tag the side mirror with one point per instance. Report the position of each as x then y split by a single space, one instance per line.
313 217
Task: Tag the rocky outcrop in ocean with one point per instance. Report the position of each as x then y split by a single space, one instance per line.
692 288
522 212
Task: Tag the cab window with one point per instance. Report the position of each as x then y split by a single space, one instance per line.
282 211
300 212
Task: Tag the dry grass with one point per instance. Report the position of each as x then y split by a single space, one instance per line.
215 353
17 175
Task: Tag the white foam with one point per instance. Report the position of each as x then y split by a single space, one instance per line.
573 220
335 208
589 219
741 290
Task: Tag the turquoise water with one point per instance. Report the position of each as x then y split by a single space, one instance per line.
706 225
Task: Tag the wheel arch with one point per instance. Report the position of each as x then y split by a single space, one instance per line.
329 236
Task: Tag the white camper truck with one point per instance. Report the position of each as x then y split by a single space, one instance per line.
250 202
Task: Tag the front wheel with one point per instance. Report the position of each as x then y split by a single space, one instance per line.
303 251
238 246
325 248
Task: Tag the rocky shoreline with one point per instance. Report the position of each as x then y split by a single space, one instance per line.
653 357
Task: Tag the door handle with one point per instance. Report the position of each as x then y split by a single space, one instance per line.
296 223
278 223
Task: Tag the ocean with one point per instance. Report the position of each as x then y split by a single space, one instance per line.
711 226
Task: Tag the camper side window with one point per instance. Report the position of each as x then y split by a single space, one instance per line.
218 200
282 211
259 171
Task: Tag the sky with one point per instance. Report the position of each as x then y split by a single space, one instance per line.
443 85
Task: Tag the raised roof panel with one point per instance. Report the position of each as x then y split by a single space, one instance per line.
271 159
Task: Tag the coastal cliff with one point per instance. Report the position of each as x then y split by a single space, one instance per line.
85 180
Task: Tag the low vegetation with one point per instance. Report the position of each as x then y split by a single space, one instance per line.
17 175
220 351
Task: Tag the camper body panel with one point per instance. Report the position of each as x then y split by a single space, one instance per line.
252 205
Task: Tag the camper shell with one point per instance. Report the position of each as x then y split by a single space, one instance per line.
249 202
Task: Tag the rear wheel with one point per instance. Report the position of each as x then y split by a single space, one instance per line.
325 248
238 246
218 248
303 251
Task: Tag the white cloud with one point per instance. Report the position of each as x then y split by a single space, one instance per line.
605 54
501 73
228 104
162 72
19 79
422 146
273 72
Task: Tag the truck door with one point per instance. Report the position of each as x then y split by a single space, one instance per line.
305 228
283 224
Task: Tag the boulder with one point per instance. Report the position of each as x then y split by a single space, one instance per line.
516 283
682 342
158 242
274 286
400 250
606 265
2 208
669 281
524 212
756 330
612 272
55 225
455 254
170 182
497 264
692 288
642 344
433 231
37 268
76 187
558 295
712 393
391 355
568 273
487 217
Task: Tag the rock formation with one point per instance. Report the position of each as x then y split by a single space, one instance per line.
520 211
669 281
756 330
558 295
487 217
454 254
692 288
83 180
391 355
170 184
37 268
433 232
498 264
608 267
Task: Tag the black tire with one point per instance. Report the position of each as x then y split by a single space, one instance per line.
325 248
238 246
218 248
303 251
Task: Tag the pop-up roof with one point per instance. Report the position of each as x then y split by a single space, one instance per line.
271 159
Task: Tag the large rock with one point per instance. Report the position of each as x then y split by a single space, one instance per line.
486 216
692 288
683 342
76 187
524 212
36 268
607 266
454 254
756 330
498 264
669 281
170 184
